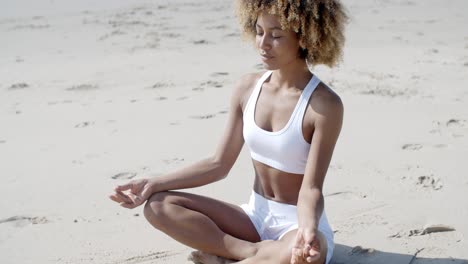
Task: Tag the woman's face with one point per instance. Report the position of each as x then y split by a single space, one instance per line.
277 47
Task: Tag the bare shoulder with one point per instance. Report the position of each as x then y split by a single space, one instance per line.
244 87
326 102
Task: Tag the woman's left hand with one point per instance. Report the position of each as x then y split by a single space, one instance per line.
306 248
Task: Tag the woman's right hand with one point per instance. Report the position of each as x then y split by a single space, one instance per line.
132 194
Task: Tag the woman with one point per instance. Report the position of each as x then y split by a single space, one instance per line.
290 122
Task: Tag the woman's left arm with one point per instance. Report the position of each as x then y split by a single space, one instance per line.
328 118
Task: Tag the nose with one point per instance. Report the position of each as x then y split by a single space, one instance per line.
264 42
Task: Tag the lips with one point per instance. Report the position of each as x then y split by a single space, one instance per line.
266 56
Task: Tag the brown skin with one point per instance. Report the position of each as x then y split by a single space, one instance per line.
187 217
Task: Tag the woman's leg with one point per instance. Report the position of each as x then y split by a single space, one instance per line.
203 223
280 252
269 252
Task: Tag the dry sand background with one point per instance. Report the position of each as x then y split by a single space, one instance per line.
93 94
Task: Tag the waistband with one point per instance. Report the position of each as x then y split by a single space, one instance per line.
262 202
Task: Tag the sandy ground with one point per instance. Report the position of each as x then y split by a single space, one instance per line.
94 94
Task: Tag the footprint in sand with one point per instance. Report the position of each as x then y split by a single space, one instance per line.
427 229
20 220
217 74
456 123
213 84
117 32
346 195
221 27
412 147
18 86
160 85
457 128
84 124
201 42
429 182
83 87
234 34
160 255
124 175
209 116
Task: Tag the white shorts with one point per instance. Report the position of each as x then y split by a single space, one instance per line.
273 220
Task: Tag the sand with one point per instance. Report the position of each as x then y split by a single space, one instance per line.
93 94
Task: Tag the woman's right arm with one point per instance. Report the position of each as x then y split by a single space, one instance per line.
208 170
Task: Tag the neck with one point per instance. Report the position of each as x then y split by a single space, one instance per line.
294 75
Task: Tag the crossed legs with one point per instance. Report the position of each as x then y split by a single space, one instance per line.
216 228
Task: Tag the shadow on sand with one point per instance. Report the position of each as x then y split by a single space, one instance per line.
347 255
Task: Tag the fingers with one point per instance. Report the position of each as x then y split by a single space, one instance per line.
114 198
312 255
296 255
136 199
129 200
313 250
312 259
119 197
124 187
305 253
124 197
128 205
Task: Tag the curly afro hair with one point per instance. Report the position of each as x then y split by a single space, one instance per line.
319 25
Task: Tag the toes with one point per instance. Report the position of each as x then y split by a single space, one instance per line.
195 257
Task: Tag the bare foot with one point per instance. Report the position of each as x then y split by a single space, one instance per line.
199 257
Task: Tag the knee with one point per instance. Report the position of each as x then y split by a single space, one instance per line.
155 209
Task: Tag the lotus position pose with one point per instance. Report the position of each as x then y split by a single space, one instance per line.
290 121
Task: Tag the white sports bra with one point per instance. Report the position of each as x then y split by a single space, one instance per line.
286 149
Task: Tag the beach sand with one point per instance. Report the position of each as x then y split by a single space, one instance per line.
95 94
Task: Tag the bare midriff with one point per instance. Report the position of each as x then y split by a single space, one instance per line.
276 185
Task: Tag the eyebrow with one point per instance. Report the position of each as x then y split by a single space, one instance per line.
272 28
